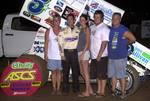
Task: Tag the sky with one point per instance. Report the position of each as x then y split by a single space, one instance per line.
131 5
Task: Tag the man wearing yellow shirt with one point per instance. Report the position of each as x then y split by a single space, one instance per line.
68 40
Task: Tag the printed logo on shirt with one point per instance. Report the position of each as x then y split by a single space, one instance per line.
115 40
71 39
93 32
56 39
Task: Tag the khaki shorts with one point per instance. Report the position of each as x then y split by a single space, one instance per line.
86 55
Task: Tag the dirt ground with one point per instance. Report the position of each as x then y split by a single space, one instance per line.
44 94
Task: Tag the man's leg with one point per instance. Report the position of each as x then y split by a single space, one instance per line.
75 71
103 86
112 74
123 85
102 75
121 72
66 69
114 82
98 86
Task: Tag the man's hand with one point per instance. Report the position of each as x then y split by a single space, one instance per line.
98 58
62 56
46 58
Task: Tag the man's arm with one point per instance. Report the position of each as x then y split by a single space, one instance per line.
129 35
61 46
105 39
103 46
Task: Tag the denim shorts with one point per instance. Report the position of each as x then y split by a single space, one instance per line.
54 65
117 68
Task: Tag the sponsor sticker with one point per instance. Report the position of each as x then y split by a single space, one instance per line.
57 8
22 77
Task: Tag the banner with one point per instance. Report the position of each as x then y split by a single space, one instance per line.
39 11
38 45
21 78
140 54
107 8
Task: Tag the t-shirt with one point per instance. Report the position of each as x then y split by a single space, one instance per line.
68 38
117 47
99 34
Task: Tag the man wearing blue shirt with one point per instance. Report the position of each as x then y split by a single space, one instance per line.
119 39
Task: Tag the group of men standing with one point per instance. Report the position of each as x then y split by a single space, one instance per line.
107 48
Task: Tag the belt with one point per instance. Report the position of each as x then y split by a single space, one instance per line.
70 50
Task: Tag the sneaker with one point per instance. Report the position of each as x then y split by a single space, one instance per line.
113 94
123 96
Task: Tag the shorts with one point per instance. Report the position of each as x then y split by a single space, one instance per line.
93 70
86 55
54 65
102 68
117 68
